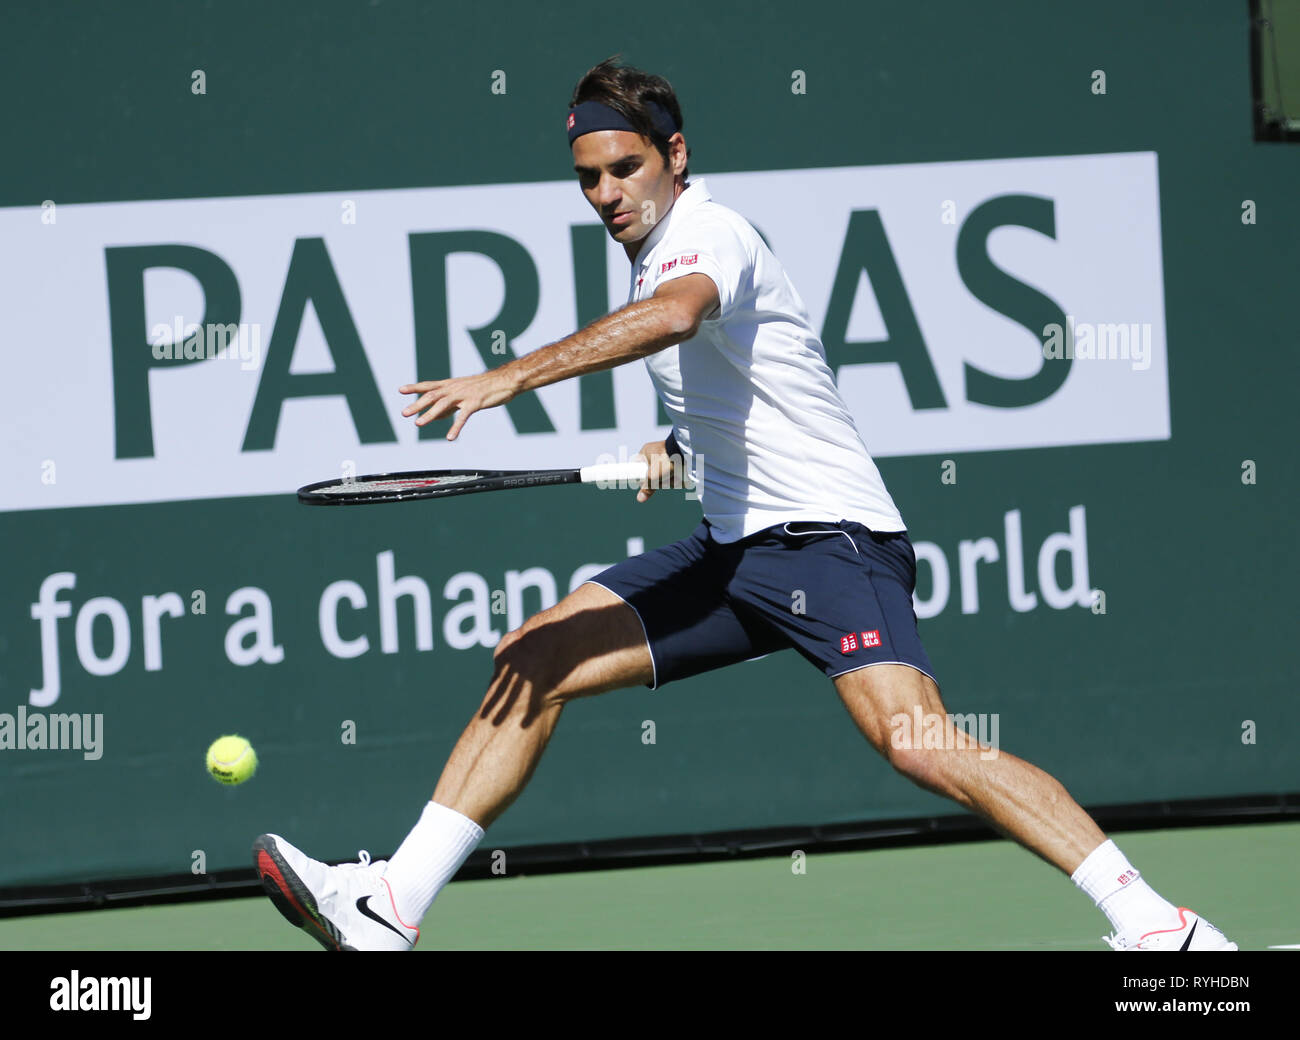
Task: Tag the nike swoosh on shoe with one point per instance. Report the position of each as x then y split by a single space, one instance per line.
363 904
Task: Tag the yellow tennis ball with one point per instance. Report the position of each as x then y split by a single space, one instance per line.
231 760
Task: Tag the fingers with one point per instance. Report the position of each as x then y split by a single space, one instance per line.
462 417
438 408
661 470
444 408
646 455
438 399
427 397
436 403
432 392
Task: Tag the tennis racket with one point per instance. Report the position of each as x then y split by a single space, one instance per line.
443 483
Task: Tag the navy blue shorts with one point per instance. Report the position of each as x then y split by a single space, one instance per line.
838 593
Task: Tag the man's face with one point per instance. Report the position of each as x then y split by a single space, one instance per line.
627 182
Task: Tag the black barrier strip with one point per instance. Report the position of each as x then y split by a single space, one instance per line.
660 850
177 989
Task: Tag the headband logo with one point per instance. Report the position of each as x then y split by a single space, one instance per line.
571 122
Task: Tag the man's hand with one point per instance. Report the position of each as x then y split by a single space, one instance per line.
665 469
464 396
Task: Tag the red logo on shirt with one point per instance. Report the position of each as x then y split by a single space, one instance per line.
668 266
688 260
849 643
871 638
571 121
639 281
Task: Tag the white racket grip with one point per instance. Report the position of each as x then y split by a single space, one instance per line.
614 473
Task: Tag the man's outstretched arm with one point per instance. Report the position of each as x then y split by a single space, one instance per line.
671 316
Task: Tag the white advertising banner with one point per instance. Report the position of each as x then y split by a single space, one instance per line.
108 396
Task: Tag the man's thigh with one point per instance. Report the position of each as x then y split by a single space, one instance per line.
877 698
588 643
840 594
679 594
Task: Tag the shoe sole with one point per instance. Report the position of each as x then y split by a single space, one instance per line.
291 897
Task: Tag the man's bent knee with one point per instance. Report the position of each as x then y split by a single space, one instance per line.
588 643
886 701
922 766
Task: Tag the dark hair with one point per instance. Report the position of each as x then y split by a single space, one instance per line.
627 90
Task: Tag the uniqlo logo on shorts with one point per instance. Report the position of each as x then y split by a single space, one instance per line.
668 266
688 260
871 638
849 643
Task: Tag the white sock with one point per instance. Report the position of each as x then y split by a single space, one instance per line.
1119 891
429 857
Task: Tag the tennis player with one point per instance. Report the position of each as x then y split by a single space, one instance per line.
792 503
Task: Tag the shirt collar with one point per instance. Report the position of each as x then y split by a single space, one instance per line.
696 192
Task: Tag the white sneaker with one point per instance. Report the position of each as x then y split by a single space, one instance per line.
1193 933
347 907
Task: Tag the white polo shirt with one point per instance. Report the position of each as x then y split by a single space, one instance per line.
753 403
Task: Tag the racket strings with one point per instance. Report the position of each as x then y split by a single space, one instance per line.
354 487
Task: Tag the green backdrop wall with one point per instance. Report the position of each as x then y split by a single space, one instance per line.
1146 701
